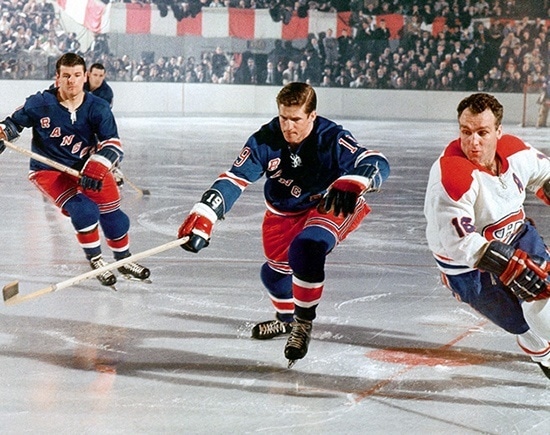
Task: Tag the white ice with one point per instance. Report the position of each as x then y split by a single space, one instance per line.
392 351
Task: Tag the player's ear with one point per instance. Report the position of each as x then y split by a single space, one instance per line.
313 115
499 131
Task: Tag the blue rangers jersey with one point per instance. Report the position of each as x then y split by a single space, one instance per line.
104 91
296 180
68 138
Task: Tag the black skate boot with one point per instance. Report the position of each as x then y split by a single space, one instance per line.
106 278
545 369
270 329
135 271
296 346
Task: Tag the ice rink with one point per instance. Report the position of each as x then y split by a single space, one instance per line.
392 351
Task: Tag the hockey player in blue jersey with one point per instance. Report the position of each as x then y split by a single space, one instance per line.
78 130
316 175
97 85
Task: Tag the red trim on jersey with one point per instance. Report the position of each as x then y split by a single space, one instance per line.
241 183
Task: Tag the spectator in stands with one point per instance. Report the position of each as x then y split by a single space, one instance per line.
247 74
219 61
330 44
290 74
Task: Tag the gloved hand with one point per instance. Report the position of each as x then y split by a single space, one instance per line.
525 276
198 225
97 166
342 197
342 194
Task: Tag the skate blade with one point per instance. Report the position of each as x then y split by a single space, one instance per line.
291 363
133 278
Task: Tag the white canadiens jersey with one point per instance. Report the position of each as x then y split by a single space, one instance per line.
466 206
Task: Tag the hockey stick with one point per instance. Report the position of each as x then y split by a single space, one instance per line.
56 165
136 188
10 291
60 166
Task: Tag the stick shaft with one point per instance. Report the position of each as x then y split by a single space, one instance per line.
95 272
133 186
56 165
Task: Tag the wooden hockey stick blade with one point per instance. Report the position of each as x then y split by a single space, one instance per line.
136 188
11 295
56 165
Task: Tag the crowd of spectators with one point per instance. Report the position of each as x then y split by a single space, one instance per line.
466 55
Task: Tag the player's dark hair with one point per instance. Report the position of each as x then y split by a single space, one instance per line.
97 65
298 94
478 103
70 59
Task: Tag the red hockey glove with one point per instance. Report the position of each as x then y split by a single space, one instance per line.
95 169
525 276
200 222
198 227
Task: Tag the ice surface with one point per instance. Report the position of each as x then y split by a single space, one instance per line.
392 351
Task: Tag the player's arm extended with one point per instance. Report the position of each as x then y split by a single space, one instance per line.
216 202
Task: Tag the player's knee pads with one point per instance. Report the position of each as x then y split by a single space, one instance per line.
306 257
115 224
279 285
83 212
496 303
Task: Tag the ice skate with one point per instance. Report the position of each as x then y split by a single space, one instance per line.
545 370
296 346
106 278
270 329
135 272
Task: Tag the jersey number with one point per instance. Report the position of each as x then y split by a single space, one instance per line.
464 226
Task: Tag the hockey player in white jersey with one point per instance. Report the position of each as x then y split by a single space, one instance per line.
490 254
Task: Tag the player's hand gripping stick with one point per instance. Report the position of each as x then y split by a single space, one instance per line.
96 167
200 222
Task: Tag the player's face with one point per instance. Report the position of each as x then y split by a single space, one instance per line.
296 124
479 136
70 80
96 77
